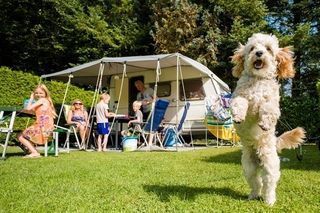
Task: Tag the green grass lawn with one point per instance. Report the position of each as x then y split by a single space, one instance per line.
208 180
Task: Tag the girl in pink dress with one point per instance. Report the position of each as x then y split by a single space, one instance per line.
41 130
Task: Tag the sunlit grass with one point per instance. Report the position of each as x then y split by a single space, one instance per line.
205 180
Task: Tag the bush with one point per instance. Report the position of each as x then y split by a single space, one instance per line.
15 86
318 87
302 112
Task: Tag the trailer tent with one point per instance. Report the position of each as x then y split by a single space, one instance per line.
177 72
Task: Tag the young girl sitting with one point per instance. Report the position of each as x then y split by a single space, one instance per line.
41 130
138 118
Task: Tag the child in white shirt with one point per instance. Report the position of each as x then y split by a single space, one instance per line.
138 118
102 111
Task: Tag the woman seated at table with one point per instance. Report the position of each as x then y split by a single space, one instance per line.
79 117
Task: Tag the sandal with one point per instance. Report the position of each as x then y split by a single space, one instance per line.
32 156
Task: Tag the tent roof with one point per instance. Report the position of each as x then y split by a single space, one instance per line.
114 65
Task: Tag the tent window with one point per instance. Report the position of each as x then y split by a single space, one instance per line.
193 89
164 89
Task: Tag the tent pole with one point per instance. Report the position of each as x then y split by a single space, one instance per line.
158 72
98 86
219 97
185 97
177 96
124 74
64 98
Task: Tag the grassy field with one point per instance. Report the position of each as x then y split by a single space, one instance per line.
207 180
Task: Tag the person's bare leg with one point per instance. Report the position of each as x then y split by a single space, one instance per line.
33 151
105 142
99 143
82 130
150 139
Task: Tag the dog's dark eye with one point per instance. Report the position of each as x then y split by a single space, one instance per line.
269 49
251 49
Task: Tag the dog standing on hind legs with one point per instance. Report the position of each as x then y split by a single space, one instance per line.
255 109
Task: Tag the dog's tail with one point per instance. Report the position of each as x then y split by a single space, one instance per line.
291 139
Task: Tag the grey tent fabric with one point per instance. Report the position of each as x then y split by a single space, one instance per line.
114 65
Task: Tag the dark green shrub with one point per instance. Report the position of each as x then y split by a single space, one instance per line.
15 86
303 112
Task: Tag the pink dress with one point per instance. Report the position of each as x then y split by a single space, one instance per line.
41 130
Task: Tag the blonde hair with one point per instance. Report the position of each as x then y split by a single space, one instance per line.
137 103
48 97
104 95
73 102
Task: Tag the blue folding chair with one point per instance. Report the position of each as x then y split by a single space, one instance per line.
172 135
153 122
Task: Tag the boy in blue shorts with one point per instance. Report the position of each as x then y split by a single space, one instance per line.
102 111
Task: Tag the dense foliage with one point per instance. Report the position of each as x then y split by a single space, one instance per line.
303 112
49 35
45 36
15 86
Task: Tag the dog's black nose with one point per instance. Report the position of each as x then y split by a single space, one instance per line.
259 53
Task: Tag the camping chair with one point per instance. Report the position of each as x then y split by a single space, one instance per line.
219 122
153 123
5 128
53 148
172 135
71 128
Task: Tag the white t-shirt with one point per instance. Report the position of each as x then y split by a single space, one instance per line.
139 115
101 109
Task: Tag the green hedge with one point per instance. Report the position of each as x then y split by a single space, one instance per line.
302 111
15 86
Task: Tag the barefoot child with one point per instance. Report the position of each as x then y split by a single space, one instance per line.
138 118
41 130
102 110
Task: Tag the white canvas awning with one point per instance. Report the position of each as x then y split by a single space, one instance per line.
114 65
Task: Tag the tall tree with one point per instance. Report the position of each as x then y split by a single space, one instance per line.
180 27
49 35
297 22
207 30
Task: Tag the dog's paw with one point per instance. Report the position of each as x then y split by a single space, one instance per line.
269 198
264 126
254 197
267 122
270 201
238 118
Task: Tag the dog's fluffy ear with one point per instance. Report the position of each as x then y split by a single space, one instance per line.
238 60
285 63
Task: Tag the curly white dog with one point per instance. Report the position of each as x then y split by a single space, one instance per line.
255 110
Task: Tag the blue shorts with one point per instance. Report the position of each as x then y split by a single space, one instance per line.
103 128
